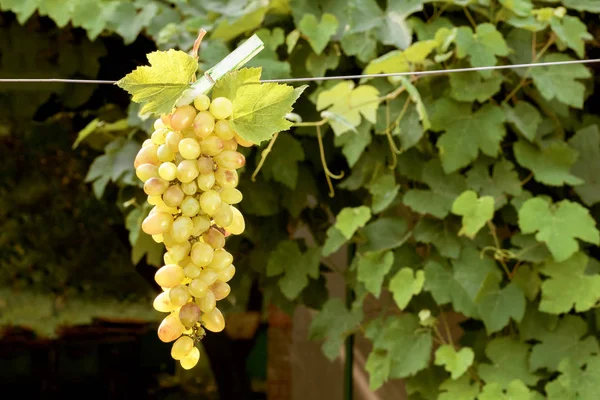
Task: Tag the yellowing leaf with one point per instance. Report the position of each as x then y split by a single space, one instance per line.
160 85
394 61
475 212
418 52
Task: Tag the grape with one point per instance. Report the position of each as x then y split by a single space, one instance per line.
158 124
146 155
167 259
189 148
201 225
201 254
179 295
230 159
170 328
146 171
166 119
168 239
173 196
189 188
157 238
207 303
208 276
226 178
180 251
206 181
163 208
220 290
198 288
204 124
223 130
187 171
221 108
147 142
214 238
226 274
167 171
191 270
231 195
157 223
189 134
158 136
241 141
183 118
191 359
210 202
213 321
182 347
230 144
221 260
169 276
202 102
182 228
165 153
212 145
162 303
189 314
190 207
154 200
172 140
223 216
206 165
238 225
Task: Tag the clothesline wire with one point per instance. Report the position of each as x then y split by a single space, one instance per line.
330 78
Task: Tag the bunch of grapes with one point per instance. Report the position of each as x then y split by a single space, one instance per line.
188 167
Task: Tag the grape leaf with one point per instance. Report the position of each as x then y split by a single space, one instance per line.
443 190
439 233
563 342
558 225
587 142
228 85
141 243
550 165
461 389
394 61
354 143
496 306
504 180
575 383
529 249
475 212
160 85
524 117
528 279
317 32
350 219
394 30
384 190
384 234
405 284
425 383
466 133
481 47
282 163
296 267
509 362
568 286
559 81
455 362
59 11
334 240
471 86
333 323
372 269
522 8
583 5
572 32
363 45
317 65
516 390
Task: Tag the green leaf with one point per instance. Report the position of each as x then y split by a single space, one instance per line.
385 234
384 190
259 198
317 65
575 383
568 286
443 190
335 239
350 219
455 362
587 142
460 389
372 269
516 390
559 81
415 97
160 85
332 324
529 249
524 117
497 306
466 133
551 164
558 225
509 362
363 45
394 61
296 267
425 383
394 30
503 180
317 32
529 281
406 284
400 349
471 86
438 234
141 243
248 21
481 47
475 212
354 143
58 11
282 163
583 5
563 342
231 82
522 8
572 32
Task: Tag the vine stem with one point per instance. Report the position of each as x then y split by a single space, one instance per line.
263 156
470 17
497 244
328 173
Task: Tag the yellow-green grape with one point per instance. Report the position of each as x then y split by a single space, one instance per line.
210 202
154 200
158 137
206 165
169 276
212 145
147 142
179 295
167 171
226 178
201 225
230 159
198 288
170 328
221 260
172 140
223 130
227 274
189 188
231 195
180 251
214 238
238 225
173 196
146 155
162 303
182 347
241 141
202 102
230 144
191 270
189 133
190 207
223 216
168 239
182 228
221 108
166 119
183 118
206 181
157 223
189 314
208 276
146 171
204 124
187 170
220 290
201 254
157 238
214 321
165 153
158 124
163 208
189 148
191 359
167 259
207 303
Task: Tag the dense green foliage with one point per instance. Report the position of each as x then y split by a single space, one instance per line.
471 193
